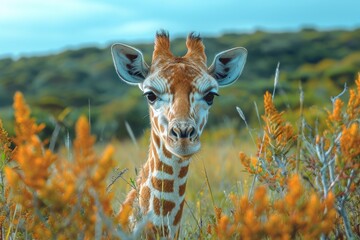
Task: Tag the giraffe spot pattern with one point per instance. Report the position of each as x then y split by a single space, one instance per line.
182 189
163 196
163 167
183 171
178 214
162 206
144 198
166 152
145 171
156 140
163 185
152 167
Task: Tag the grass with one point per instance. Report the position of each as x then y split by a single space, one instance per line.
292 184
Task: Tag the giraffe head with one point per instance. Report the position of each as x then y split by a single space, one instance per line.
179 90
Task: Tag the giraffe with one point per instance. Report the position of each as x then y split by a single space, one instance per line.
179 92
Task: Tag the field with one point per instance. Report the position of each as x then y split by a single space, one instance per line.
291 182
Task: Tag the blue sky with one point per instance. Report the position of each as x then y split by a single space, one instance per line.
37 27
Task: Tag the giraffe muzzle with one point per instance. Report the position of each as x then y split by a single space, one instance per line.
183 130
183 138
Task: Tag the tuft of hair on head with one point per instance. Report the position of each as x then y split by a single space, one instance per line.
162 44
162 33
196 48
194 36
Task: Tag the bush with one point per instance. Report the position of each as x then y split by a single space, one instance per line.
308 182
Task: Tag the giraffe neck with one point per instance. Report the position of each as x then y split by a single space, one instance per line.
162 189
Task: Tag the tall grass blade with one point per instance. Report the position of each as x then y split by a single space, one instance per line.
301 130
54 136
68 145
193 215
241 114
276 79
246 124
257 114
208 184
131 134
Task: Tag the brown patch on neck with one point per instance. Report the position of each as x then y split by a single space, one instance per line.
152 164
182 189
179 214
145 171
155 139
183 171
166 152
154 121
162 206
163 185
144 198
163 167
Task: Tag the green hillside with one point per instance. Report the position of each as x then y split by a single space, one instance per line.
79 80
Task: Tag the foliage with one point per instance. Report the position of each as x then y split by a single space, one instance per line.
293 216
46 196
274 162
75 79
308 182
332 158
328 161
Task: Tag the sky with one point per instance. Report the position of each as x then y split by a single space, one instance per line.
40 27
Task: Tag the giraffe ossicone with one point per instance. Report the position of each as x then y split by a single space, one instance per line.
180 92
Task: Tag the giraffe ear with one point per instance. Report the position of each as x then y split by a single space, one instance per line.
129 64
228 65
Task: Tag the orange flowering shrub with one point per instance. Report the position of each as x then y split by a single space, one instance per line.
49 197
334 157
273 161
298 214
329 161
5 153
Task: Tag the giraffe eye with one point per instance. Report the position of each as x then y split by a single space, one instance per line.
209 98
151 97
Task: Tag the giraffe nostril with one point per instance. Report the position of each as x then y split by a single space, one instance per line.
191 132
173 133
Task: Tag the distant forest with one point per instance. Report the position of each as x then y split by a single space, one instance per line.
61 87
